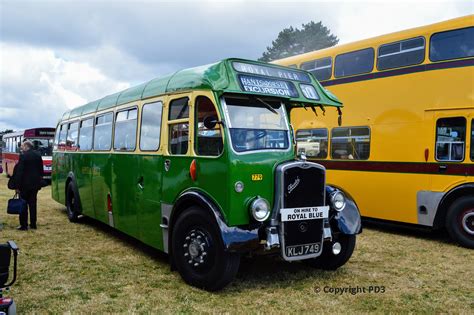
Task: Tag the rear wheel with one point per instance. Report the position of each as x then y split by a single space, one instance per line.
72 203
328 260
460 221
198 251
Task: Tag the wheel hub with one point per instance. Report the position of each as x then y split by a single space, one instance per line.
467 221
196 246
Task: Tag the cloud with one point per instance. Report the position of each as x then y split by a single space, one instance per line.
37 86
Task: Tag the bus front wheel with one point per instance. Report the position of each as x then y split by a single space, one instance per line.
72 203
198 251
328 260
460 221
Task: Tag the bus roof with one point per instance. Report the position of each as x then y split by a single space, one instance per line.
222 77
32 132
459 22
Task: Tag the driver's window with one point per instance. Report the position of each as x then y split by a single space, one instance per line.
208 140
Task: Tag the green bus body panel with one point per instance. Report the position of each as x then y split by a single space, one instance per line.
137 183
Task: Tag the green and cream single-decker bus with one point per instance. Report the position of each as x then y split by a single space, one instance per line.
201 164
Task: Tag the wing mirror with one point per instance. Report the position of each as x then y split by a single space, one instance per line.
210 122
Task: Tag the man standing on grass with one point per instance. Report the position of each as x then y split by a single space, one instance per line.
28 174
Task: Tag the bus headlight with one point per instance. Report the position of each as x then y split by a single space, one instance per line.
338 201
260 209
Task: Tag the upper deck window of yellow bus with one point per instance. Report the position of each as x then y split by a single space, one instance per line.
472 140
401 54
452 44
320 68
450 139
354 62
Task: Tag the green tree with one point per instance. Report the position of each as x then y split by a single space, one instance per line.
293 41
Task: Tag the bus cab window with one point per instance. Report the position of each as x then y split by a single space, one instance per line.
208 141
125 130
351 143
312 142
450 139
151 126
179 132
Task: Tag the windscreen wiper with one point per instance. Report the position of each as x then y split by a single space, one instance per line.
268 106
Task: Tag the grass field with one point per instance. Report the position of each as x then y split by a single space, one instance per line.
88 267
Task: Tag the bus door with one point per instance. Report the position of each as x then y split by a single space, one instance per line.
150 171
451 147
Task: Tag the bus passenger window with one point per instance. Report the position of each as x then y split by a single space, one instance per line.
151 126
355 62
400 54
312 142
452 44
179 132
208 141
450 139
85 134
179 135
179 109
71 139
62 136
472 140
56 137
351 143
103 132
320 68
126 130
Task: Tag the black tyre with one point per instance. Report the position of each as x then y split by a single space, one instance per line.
73 208
460 221
198 251
329 261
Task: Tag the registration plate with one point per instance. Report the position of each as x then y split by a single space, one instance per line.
302 250
47 168
304 213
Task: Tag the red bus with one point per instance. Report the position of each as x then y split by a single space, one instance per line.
42 139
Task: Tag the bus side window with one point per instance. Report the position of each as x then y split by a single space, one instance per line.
56 137
472 140
354 62
103 132
320 68
179 132
85 134
351 143
401 54
126 130
72 134
62 136
452 44
150 132
450 139
312 142
208 141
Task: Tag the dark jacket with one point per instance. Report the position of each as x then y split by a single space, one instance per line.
28 173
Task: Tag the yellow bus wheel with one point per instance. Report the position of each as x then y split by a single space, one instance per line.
460 221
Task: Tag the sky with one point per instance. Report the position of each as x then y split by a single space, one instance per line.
59 54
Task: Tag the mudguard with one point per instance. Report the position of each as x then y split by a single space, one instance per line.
348 220
235 239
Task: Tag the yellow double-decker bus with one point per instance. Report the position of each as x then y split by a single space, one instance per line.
405 149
